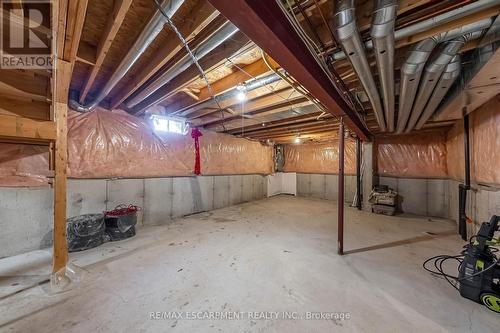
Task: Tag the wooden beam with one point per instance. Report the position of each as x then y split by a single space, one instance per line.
275 123
87 53
259 102
22 84
26 128
255 69
114 23
276 108
199 18
321 124
28 109
255 100
63 70
75 18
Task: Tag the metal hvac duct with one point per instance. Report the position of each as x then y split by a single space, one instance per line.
411 71
249 86
350 40
444 84
382 33
451 15
147 36
412 68
433 72
221 35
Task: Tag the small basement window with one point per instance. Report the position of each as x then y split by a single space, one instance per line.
169 124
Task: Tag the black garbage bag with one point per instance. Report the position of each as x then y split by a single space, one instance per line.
85 231
120 222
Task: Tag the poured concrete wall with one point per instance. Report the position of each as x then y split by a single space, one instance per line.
482 203
427 197
27 213
324 186
439 198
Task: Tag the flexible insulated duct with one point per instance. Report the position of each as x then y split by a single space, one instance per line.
382 33
350 40
147 36
249 86
444 84
433 72
441 19
220 36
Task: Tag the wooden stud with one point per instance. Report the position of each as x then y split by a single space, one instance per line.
76 11
24 128
63 70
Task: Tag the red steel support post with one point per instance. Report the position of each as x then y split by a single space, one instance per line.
341 189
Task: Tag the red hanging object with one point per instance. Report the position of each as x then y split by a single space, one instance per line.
195 134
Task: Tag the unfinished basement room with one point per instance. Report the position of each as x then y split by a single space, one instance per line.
250 166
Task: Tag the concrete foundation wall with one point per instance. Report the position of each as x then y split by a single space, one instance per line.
324 186
482 203
439 198
27 213
427 197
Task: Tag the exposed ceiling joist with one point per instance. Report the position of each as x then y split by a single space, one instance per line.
203 14
114 23
75 18
268 27
275 123
226 83
263 110
224 51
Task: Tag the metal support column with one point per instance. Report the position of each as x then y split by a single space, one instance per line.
341 190
358 174
463 188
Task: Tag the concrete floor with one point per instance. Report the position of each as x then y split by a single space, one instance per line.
273 255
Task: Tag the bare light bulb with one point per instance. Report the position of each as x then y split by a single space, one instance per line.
241 96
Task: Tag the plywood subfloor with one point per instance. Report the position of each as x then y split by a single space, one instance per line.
277 254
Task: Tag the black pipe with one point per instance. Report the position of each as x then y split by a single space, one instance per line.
463 188
358 173
466 151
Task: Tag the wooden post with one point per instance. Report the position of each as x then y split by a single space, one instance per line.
62 79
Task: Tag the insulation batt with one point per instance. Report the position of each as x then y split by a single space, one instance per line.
115 144
484 136
320 158
421 155
23 165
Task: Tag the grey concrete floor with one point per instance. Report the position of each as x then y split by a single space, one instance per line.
273 255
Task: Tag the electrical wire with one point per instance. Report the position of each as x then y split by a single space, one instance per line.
191 55
439 260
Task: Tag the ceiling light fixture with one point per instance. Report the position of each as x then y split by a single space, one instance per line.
297 139
241 95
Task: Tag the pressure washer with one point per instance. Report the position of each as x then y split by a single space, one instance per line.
478 267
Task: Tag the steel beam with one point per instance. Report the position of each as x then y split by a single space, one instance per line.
267 26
